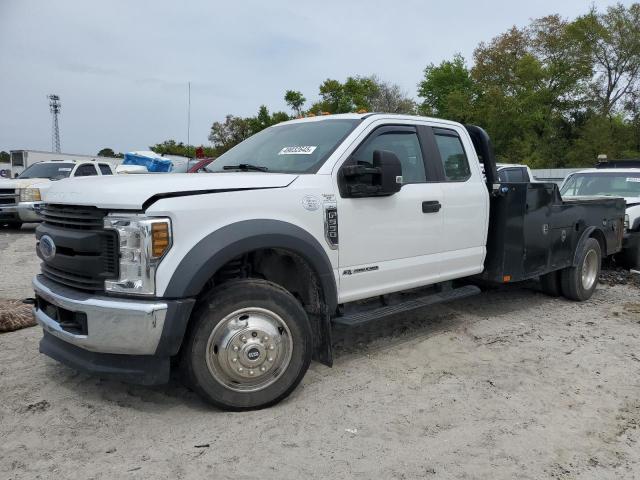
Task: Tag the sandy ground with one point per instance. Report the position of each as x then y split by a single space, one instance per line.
507 384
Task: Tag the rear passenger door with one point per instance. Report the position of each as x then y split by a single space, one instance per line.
465 207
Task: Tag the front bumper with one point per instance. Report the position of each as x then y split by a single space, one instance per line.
9 213
118 335
631 241
29 211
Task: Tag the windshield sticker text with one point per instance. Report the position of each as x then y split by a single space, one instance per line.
633 179
299 150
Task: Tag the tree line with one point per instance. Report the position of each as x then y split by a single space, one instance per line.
554 93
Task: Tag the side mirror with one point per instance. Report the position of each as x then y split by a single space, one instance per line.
382 177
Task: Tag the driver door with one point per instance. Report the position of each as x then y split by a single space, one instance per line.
391 243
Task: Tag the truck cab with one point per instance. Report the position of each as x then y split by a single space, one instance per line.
237 276
21 197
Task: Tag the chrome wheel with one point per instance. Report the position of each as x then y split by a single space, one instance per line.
249 349
589 269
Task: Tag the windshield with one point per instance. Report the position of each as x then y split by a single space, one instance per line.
52 171
292 148
610 184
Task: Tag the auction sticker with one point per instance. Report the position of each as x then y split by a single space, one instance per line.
633 179
298 150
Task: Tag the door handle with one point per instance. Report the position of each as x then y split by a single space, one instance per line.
431 206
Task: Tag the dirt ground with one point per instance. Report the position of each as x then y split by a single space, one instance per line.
507 384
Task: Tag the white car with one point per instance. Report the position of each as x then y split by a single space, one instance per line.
21 197
613 182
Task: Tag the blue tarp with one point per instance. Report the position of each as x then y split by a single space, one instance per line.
152 164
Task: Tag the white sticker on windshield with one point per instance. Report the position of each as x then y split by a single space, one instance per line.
633 179
64 169
300 150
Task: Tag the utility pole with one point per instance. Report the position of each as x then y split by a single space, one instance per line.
55 107
188 117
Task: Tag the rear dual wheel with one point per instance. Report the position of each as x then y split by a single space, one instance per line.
249 346
576 283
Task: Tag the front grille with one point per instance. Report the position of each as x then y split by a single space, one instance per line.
86 253
73 217
8 196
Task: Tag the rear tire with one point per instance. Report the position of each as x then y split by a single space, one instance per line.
578 283
550 284
249 346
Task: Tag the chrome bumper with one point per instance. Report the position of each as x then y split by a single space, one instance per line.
9 212
114 325
29 211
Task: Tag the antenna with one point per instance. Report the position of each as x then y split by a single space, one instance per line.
55 107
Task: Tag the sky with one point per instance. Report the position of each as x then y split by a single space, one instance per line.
121 68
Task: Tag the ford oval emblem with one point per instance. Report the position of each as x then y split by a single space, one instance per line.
47 247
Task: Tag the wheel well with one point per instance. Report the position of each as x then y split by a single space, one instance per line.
599 236
280 266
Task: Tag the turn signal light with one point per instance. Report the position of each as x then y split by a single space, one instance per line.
159 238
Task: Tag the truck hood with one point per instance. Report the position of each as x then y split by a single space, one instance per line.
21 182
135 191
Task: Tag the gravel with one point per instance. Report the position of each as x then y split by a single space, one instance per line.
507 384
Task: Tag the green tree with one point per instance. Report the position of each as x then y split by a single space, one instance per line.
107 152
295 100
4 157
447 90
613 39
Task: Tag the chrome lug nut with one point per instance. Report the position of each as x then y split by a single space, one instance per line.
250 372
271 347
234 359
240 369
270 359
235 348
243 338
263 369
265 338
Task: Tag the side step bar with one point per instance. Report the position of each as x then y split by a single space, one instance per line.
360 318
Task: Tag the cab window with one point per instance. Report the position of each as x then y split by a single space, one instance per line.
403 141
86 170
453 157
105 169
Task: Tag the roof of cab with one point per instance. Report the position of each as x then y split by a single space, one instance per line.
363 116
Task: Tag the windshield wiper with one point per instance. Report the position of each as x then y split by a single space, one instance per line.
246 167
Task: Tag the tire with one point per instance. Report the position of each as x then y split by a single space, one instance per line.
578 283
11 225
550 284
268 328
629 258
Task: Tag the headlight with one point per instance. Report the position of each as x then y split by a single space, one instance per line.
626 223
30 194
143 242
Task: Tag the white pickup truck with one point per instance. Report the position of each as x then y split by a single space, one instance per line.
21 197
237 276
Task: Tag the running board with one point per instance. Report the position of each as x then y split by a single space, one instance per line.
360 318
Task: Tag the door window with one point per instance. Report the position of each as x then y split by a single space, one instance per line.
105 169
454 159
86 170
404 143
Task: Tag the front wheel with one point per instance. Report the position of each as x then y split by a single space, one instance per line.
579 282
249 347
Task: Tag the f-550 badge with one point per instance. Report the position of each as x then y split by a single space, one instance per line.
349 271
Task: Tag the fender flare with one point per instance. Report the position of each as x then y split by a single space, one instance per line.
231 241
583 239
